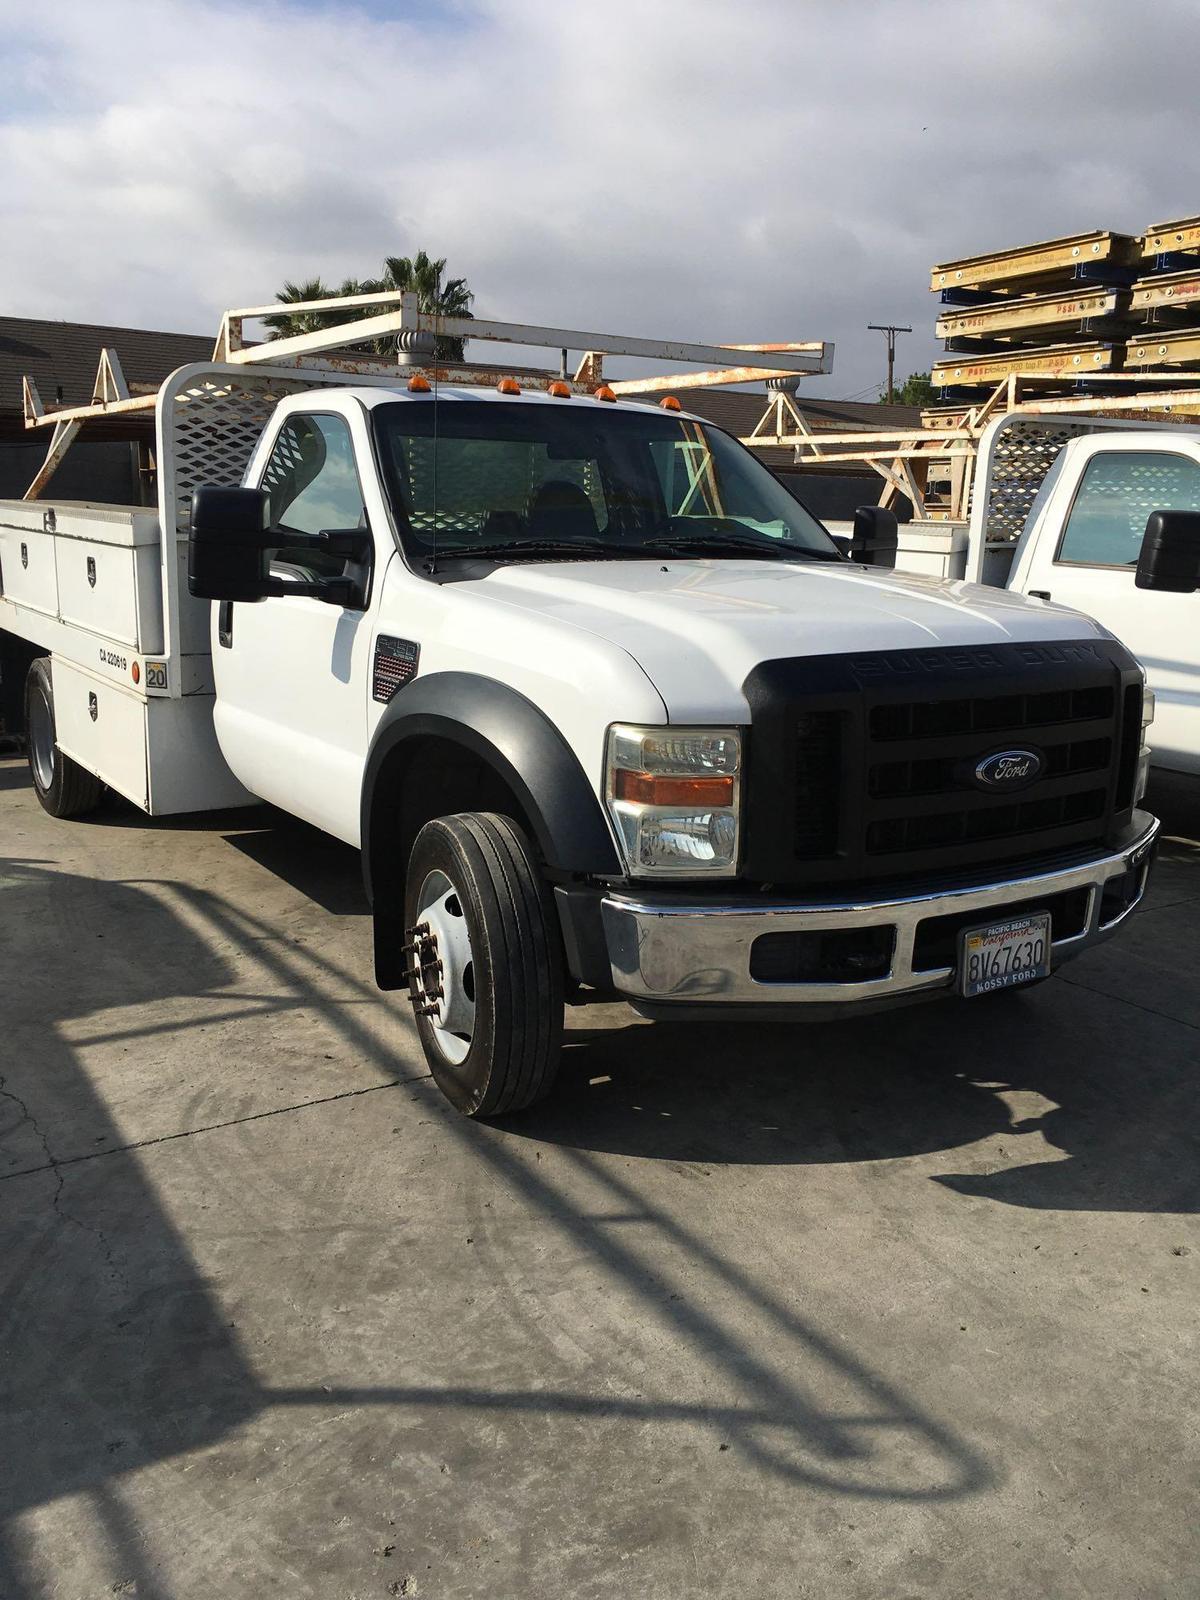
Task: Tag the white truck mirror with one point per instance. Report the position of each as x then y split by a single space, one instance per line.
1170 556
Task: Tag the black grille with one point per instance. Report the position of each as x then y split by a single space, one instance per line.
938 803
933 830
998 713
818 761
864 766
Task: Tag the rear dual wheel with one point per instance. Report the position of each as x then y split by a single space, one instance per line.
64 788
484 963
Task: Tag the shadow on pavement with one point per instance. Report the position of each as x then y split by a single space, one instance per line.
113 1351
116 1352
319 866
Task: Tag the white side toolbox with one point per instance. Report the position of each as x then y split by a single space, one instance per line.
161 754
27 571
103 728
106 560
110 575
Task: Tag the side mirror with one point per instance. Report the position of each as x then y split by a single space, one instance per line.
875 536
1170 554
229 545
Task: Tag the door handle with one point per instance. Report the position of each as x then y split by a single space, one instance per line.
1039 594
225 624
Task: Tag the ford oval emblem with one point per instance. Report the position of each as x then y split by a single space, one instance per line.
1008 769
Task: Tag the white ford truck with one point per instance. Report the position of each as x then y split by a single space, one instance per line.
605 710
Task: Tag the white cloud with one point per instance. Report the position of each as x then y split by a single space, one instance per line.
771 169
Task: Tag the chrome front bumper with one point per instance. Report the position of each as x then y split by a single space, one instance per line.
672 952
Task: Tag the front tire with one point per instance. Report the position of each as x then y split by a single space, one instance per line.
484 962
64 788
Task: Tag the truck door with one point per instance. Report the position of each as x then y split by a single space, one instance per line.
292 672
1090 566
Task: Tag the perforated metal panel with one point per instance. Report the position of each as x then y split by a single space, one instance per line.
210 418
214 421
1021 457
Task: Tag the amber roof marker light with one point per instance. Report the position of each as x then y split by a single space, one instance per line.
508 386
605 393
669 403
418 384
559 389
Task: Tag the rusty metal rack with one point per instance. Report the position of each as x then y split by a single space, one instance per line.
334 353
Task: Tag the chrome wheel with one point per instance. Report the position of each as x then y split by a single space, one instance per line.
443 967
40 733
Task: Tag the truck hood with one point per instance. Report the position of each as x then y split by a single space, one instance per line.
698 627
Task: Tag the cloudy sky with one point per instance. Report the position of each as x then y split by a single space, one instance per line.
708 169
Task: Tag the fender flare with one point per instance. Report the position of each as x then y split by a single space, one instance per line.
520 743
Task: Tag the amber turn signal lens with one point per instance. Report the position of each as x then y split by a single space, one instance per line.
509 386
647 789
560 390
605 393
669 403
418 385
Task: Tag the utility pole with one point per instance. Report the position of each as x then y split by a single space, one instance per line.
891 329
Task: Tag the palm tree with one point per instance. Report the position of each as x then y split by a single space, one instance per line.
287 323
449 297
436 295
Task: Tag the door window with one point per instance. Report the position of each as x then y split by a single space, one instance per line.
311 478
1118 491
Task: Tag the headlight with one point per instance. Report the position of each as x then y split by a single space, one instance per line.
1143 766
674 795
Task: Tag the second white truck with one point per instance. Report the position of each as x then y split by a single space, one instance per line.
1059 513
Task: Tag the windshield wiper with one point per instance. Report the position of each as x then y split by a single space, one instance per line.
722 544
531 549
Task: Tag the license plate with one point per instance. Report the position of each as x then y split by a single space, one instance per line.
1003 955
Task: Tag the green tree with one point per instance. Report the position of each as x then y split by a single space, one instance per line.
916 390
419 274
436 295
288 323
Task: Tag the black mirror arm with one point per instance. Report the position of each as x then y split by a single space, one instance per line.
342 591
351 544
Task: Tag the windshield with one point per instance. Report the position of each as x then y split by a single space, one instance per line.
528 481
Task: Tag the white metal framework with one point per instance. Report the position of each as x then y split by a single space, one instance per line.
934 465
333 354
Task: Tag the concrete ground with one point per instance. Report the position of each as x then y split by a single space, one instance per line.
898 1307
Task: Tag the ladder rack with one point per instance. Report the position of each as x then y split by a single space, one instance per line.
332 353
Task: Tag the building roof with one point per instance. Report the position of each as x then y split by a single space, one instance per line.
66 355
739 410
